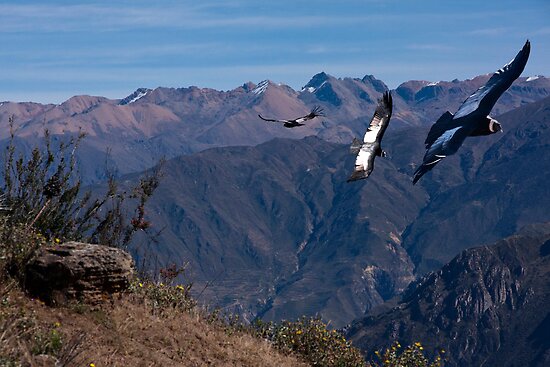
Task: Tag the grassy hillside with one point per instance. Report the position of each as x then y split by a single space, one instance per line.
127 331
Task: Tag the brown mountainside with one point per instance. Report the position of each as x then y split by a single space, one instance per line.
173 121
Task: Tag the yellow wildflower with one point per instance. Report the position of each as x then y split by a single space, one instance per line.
298 332
92 364
141 285
57 324
57 240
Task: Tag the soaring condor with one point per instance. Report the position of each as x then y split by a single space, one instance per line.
472 118
315 112
370 147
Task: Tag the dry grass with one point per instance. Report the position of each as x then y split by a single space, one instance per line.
122 332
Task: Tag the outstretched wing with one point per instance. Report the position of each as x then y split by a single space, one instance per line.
380 120
370 148
444 123
483 100
315 112
364 164
446 144
272 120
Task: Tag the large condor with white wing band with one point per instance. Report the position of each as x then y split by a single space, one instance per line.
472 118
370 147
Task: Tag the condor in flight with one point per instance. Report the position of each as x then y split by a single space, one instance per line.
370 147
315 112
472 118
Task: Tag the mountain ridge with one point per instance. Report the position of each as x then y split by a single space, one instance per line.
173 121
484 307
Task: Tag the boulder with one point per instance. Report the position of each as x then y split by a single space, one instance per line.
81 271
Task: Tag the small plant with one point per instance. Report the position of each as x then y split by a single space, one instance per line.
169 274
17 246
163 297
411 356
311 339
47 342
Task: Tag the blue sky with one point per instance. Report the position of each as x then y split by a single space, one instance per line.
50 51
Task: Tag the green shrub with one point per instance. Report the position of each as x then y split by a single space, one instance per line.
41 202
47 342
163 297
411 356
311 340
18 244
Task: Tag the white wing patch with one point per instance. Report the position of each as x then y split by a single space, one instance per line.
362 160
372 133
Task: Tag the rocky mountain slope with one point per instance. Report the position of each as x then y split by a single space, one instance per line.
151 123
274 230
267 226
487 307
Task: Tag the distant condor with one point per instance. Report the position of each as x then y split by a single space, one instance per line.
315 112
472 118
370 147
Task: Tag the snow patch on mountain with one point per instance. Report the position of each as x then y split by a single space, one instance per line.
261 87
313 89
138 94
531 78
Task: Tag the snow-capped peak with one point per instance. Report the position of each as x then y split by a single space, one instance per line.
139 93
313 89
433 83
261 87
531 78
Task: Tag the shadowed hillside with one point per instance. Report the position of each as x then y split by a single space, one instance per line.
488 306
274 230
269 225
493 187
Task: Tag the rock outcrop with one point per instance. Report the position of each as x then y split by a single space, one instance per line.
80 271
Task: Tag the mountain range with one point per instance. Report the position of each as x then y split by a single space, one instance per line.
149 123
263 214
275 231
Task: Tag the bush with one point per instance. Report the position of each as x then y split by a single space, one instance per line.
411 356
18 244
41 202
311 340
162 297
